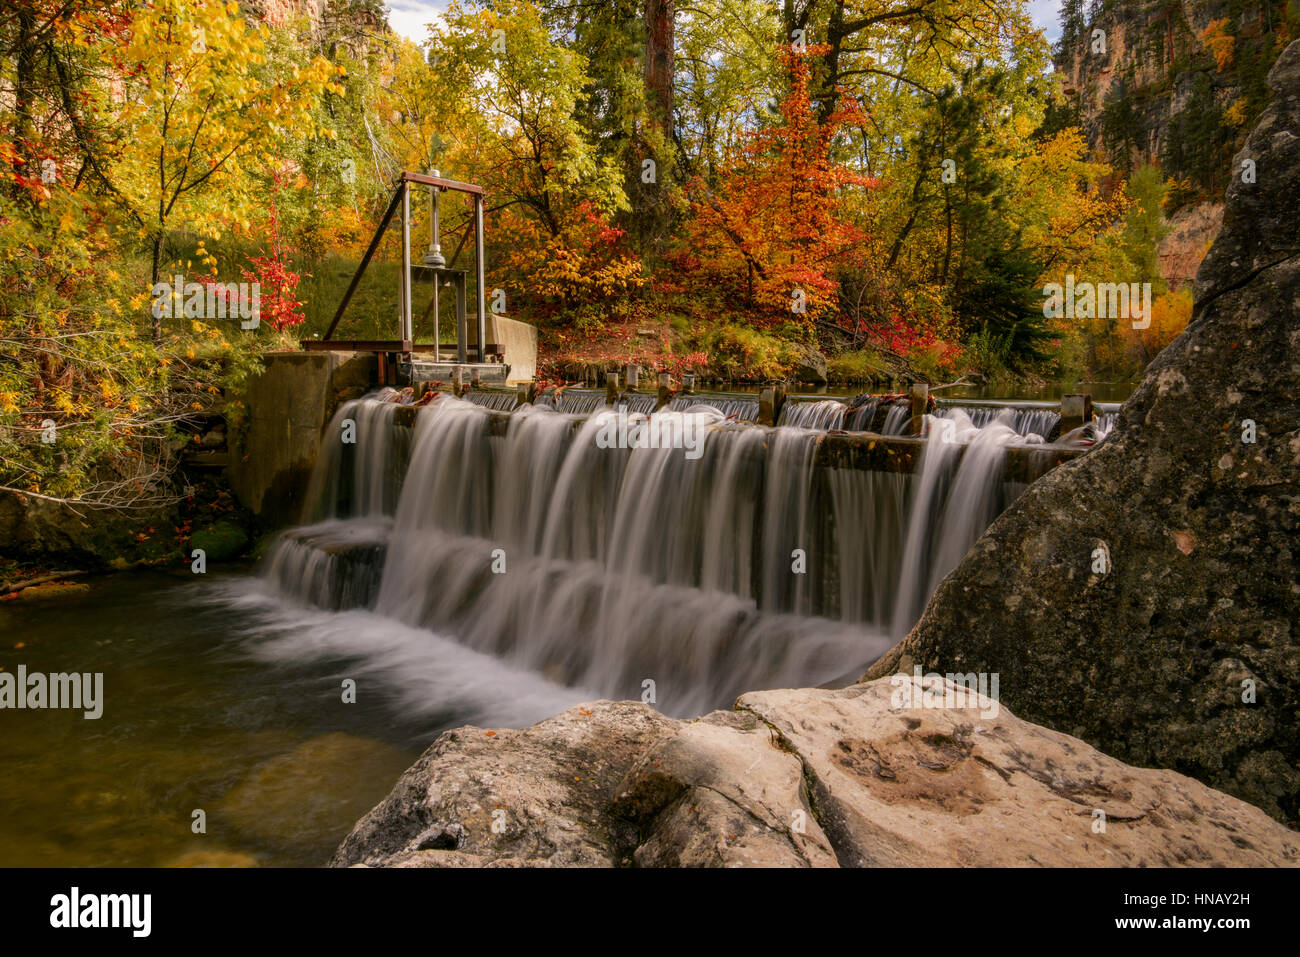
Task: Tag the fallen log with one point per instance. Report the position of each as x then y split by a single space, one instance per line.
9 588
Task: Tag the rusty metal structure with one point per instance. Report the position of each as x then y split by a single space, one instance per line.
432 269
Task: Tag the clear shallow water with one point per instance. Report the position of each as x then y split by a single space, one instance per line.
220 698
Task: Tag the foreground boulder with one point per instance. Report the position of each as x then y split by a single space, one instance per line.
864 776
1146 597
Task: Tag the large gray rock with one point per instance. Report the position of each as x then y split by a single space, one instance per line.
804 778
545 789
809 365
1179 649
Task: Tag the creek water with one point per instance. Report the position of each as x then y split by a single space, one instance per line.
211 703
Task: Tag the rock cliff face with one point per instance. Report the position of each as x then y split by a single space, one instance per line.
1150 91
1150 57
1146 597
1191 231
865 776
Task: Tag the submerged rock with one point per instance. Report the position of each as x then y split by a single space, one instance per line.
281 801
1146 597
803 778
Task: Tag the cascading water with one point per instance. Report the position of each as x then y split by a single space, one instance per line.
897 419
952 508
587 401
574 554
741 410
861 413
497 401
360 471
1024 421
825 414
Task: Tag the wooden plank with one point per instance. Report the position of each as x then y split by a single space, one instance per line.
364 345
425 180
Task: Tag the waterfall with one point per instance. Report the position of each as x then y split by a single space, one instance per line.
897 419
497 401
588 401
826 414
331 564
697 571
1024 421
861 413
740 409
362 476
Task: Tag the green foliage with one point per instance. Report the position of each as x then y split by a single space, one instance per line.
1198 145
1120 125
857 366
738 352
1145 226
1001 302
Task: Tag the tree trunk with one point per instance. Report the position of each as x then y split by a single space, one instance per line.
157 262
829 97
24 82
649 198
660 16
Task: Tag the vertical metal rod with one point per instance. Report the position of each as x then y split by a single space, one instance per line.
437 329
478 268
461 332
433 219
406 261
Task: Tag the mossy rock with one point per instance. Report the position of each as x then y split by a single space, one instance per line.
221 541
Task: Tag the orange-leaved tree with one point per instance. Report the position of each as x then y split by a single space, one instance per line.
766 237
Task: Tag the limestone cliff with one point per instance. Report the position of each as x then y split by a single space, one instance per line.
1146 86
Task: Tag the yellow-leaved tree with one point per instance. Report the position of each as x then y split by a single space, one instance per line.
203 115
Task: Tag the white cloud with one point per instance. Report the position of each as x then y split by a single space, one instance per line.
410 18
1046 16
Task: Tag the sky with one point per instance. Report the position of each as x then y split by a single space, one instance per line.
408 17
